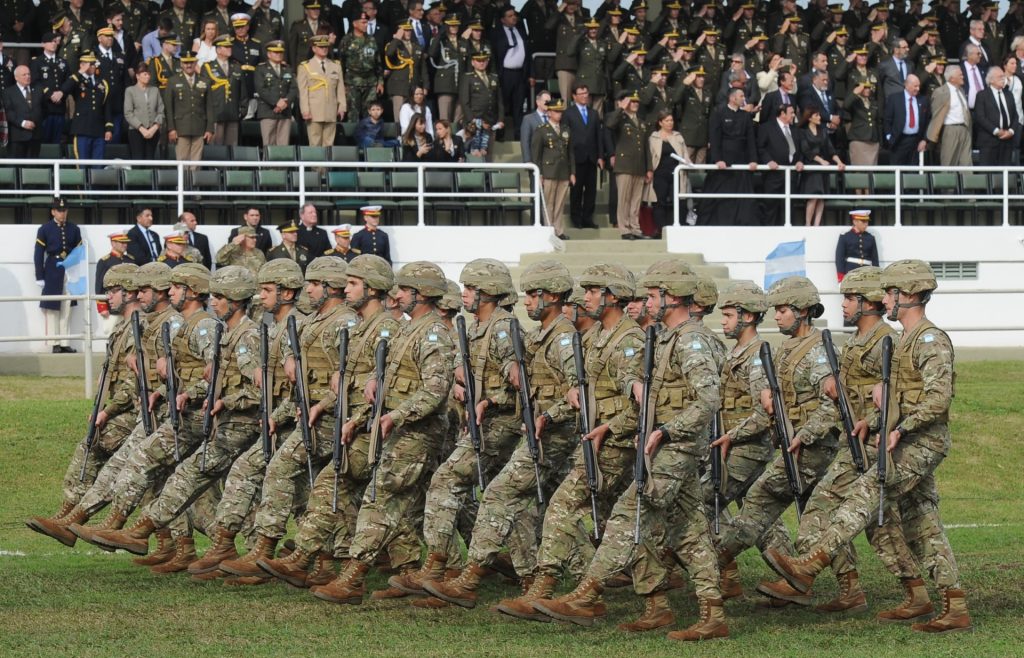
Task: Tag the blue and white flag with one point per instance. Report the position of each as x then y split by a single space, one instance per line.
787 259
76 267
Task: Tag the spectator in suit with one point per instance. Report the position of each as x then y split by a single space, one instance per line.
974 74
893 72
976 38
733 142
951 122
372 240
252 218
778 146
588 144
997 121
196 239
311 236
532 121
24 107
145 243
448 146
511 57
818 98
143 114
906 114
1015 87
739 76
784 95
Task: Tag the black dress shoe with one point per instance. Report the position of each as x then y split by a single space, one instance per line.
628 236
563 237
643 236
69 350
589 225
57 349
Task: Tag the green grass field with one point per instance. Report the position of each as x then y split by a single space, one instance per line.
83 602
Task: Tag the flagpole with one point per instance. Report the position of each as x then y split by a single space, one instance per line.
87 314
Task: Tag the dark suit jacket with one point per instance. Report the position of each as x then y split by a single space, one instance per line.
587 139
810 99
500 46
969 83
202 243
18 110
986 117
772 146
139 248
889 80
771 103
896 117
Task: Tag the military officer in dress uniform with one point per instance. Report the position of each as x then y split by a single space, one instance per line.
49 72
267 24
54 241
185 23
631 160
321 87
793 43
118 254
111 67
343 244
372 240
74 39
694 114
864 129
404 61
551 149
856 248
174 253
166 63
248 52
289 247
713 57
594 59
303 30
478 93
189 115
91 125
276 95
228 93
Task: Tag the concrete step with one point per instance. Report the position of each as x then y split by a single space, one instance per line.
606 232
616 246
717 272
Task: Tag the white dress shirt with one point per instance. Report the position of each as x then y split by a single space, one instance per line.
955 116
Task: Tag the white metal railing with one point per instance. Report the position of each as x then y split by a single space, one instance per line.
183 189
899 197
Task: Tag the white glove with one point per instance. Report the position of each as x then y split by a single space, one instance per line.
40 283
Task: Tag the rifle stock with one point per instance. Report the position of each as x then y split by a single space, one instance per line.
884 428
469 380
843 402
380 360
172 388
783 428
140 362
340 414
301 397
589 457
529 420
211 394
644 424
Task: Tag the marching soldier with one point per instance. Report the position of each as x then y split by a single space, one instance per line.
551 149
289 247
363 70
405 70
54 241
276 94
228 94
321 86
242 251
190 118
92 123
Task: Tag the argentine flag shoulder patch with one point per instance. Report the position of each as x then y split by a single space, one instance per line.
432 338
629 351
927 338
696 345
202 332
565 341
385 333
502 334
243 349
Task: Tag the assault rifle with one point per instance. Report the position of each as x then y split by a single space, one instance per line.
589 457
301 395
211 394
783 428
716 467
469 380
644 424
843 401
340 414
529 420
267 396
140 362
172 388
883 425
90 434
380 361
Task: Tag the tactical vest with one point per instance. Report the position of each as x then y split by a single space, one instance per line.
152 334
792 353
858 379
402 378
487 370
546 383
360 363
909 388
280 387
116 349
230 374
737 405
608 401
190 367
670 388
320 351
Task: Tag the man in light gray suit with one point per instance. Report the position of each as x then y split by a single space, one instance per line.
950 126
893 72
532 121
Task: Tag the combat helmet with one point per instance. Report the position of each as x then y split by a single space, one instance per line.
744 296
328 269
673 277
799 293
614 278
866 284
547 276
283 272
452 298
374 270
154 275
426 279
490 278
192 275
121 275
233 282
910 277
706 295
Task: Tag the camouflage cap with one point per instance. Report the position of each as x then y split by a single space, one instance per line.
509 299
864 281
121 275
796 291
673 276
547 275
374 270
488 275
329 269
424 277
154 275
281 271
707 292
746 295
193 275
616 278
452 298
910 275
235 282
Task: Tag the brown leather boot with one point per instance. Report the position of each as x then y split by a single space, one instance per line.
657 614
114 521
292 569
916 604
286 548
710 626
65 509
134 540
348 588
780 590
59 528
582 606
164 550
411 582
462 590
851 597
184 555
522 607
799 572
223 548
389 592
953 618
216 574
427 602
730 581
619 581
240 581
245 566
324 571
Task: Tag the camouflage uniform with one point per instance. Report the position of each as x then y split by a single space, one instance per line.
363 72
232 254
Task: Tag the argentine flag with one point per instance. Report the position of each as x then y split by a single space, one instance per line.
76 268
787 259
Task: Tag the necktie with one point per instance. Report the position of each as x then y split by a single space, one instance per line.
977 79
583 111
371 27
1004 118
544 118
323 66
910 113
191 240
419 32
152 245
785 98
903 73
512 36
789 142
824 104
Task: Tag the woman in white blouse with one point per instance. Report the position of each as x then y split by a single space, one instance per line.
203 46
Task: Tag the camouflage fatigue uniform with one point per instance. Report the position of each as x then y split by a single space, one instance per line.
684 395
232 254
802 369
286 473
923 390
491 356
363 72
417 383
613 358
508 507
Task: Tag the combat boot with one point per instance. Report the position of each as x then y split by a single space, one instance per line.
411 582
65 509
710 626
916 603
348 588
851 597
216 574
582 606
427 602
390 592
245 566
522 607
462 590
163 553
134 540
114 521
292 569
502 564
656 614
184 555
729 581
324 571
223 548
59 528
240 581
619 580
953 618
781 591
286 548
799 572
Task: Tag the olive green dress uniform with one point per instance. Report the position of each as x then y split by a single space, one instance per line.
838 68
163 68
632 162
655 99
404 63
273 83
551 149
321 86
299 35
594 62
792 46
566 61
363 72
450 60
72 46
299 254
228 99
694 115
863 129
478 96
715 62
630 77
189 113
266 25
186 24
856 76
